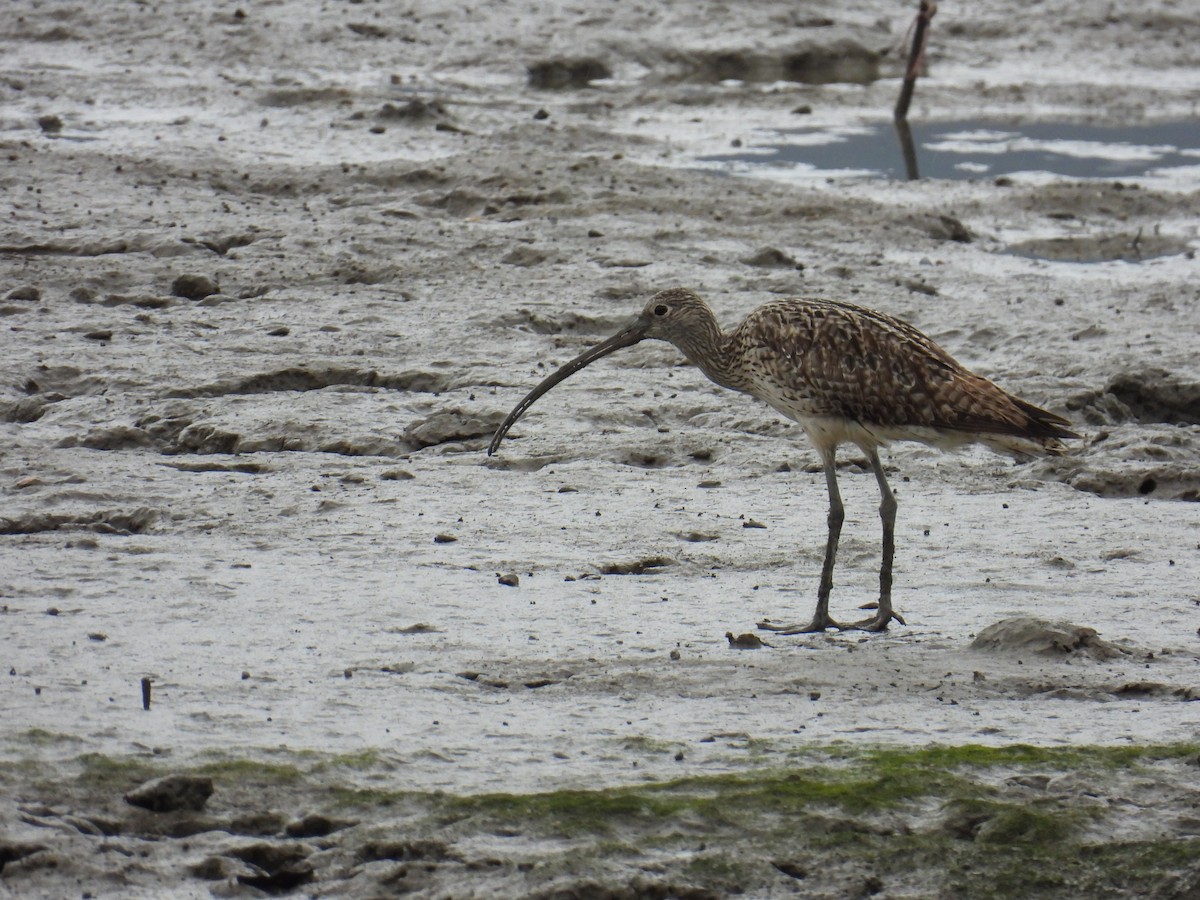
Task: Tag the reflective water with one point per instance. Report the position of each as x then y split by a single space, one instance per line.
979 149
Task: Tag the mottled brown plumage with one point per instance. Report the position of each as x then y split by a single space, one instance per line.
845 374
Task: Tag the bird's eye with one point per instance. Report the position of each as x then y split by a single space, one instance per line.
660 310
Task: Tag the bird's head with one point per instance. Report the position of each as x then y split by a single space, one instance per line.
673 315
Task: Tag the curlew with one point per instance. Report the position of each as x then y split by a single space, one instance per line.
846 374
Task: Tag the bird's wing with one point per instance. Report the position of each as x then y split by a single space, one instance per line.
832 359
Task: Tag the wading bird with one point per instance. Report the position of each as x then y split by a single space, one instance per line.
846 374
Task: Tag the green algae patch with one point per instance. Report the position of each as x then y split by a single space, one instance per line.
253 771
572 812
40 737
952 821
99 772
978 756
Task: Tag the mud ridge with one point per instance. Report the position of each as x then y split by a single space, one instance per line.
137 521
304 379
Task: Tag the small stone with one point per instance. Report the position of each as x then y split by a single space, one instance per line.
509 579
172 792
193 287
444 539
104 335
281 331
50 124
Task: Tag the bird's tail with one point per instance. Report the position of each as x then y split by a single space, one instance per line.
1040 434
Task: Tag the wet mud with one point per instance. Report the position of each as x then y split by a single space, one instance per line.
270 278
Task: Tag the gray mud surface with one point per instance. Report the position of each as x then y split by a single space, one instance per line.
270 277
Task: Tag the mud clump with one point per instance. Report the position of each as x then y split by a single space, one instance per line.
771 258
194 287
562 73
413 112
22 412
1102 248
27 293
1027 634
839 62
171 793
275 868
1156 396
651 565
136 521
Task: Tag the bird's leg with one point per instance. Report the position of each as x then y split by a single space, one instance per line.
837 515
887 512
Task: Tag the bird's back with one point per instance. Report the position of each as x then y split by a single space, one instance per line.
824 361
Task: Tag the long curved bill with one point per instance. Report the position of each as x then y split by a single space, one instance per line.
626 338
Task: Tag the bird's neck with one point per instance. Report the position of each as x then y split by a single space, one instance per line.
710 350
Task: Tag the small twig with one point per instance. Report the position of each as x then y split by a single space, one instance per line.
1136 243
916 58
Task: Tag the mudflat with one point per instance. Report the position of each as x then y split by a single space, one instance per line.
271 276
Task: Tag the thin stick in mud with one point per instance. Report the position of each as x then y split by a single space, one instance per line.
916 54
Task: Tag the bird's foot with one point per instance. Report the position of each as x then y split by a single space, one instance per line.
879 621
819 625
